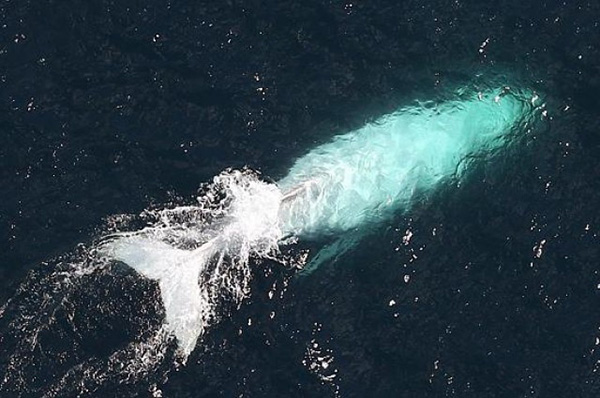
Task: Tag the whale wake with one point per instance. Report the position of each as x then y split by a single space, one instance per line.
200 254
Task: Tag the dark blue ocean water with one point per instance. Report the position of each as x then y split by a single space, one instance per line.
112 107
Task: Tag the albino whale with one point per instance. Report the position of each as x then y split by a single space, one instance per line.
198 254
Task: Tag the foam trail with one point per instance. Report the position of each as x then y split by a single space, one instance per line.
355 180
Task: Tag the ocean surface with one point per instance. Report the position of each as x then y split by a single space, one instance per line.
108 108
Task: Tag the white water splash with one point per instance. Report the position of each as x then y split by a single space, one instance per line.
199 254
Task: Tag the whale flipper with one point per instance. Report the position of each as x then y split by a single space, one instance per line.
331 252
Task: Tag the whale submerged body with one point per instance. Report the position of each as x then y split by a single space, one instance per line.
366 174
357 179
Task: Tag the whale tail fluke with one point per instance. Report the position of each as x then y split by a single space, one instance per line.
187 306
